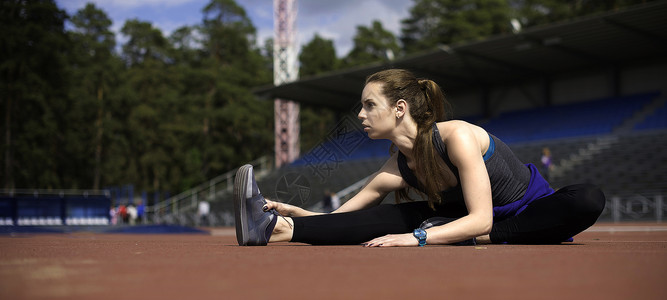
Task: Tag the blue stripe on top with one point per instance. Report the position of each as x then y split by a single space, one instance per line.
492 147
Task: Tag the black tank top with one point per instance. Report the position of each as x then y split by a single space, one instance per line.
509 177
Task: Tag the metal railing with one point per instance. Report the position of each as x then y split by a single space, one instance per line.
349 192
209 191
648 207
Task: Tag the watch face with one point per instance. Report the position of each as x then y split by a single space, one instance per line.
420 233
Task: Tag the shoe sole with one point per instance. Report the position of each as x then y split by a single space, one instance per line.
240 192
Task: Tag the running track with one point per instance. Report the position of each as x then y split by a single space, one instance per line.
609 261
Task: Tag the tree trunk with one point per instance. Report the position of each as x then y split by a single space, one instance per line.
208 107
9 178
98 139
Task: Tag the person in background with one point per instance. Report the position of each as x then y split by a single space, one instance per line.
203 209
141 208
335 201
122 213
546 163
327 205
113 216
132 214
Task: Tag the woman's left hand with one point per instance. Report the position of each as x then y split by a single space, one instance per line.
393 240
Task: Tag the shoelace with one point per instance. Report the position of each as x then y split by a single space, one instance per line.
276 213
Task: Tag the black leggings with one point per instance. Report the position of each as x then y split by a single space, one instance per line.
549 220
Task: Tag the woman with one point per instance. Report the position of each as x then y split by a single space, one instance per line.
477 190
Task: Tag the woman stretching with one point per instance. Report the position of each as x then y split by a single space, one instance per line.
477 190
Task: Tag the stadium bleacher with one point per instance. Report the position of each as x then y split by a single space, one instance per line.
578 119
627 163
657 120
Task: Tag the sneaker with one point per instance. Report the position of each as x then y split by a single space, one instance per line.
253 224
437 221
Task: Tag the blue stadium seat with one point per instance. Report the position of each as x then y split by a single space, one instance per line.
658 120
569 120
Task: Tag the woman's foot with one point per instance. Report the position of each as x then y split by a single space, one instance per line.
254 226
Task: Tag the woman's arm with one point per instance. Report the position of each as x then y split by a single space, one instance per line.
464 149
381 183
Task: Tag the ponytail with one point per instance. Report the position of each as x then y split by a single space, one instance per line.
435 100
427 166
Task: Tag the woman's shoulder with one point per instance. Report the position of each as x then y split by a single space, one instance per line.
458 132
450 127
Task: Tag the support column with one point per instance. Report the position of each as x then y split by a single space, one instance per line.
287 143
285 70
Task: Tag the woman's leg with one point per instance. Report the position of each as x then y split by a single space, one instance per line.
552 219
353 228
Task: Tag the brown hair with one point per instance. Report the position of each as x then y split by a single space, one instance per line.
427 105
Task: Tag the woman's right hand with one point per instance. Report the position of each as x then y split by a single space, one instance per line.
282 208
287 210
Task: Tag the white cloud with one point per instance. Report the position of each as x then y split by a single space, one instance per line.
332 19
74 5
335 20
338 20
135 3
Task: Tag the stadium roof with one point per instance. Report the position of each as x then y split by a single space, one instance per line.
607 40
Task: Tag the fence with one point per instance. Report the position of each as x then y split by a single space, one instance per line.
44 208
648 207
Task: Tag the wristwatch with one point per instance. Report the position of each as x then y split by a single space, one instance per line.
420 235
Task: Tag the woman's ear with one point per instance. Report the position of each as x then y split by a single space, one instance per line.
401 108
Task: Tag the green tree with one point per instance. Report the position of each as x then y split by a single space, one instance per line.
94 68
33 91
184 45
152 90
185 170
267 53
228 30
145 43
539 12
435 22
233 65
372 44
318 56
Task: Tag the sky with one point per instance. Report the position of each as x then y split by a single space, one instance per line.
335 20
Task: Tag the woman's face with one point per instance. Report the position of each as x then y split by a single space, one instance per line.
376 115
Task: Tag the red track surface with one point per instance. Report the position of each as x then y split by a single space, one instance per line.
606 262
